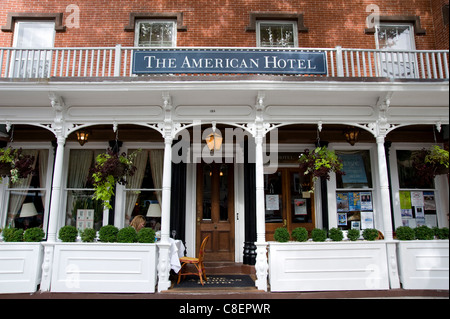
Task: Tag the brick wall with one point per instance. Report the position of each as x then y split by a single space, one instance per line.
223 22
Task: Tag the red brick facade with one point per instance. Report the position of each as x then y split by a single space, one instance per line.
224 22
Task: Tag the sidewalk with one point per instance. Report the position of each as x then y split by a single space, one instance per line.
242 294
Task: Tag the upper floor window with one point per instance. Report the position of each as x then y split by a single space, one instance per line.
33 38
34 34
396 37
156 33
277 34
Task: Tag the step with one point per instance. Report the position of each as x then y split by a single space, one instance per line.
228 268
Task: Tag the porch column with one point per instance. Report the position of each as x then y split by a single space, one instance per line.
55 204
261 244
386 212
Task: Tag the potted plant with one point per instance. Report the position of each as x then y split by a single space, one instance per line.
320 163
21 256
111 168
14 164
430 163
119 261
326 265
422 259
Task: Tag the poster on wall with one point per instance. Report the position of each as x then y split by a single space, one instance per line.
342 219
301 207
366 201
405 204
354 201
429 201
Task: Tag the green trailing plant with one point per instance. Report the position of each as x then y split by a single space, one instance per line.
320 162
429 163
14 164
353 234
424 233
12 235
405 233
370 234
88 235
319 235
281 235
68 234
33 235
127 235
108 234
111 168
441 233
146 236
336 234
300 234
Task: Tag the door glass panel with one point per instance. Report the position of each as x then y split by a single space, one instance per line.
273 188
300 199
223 202
207 194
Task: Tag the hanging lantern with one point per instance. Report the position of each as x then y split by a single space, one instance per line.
352 135
214 140
82 137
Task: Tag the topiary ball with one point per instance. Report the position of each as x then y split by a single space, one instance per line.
319 235
300 234
127 235
281 235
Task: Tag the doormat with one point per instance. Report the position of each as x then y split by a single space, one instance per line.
217 281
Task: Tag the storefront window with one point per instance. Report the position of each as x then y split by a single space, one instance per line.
82 211
144 188
417 195
27 197
354 196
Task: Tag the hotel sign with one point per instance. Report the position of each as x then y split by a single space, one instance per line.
228 61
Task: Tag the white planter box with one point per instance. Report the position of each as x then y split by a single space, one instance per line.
328 266
424 264
20 267
104 268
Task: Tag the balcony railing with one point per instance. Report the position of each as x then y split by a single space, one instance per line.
117 62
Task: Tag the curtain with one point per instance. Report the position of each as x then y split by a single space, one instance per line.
18 197
135 182
79 165
157 167
43 168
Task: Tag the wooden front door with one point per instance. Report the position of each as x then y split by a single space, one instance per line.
215 210
288 202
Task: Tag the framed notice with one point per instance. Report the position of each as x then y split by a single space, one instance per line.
85 219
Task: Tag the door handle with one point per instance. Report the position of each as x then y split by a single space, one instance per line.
215 226
285 223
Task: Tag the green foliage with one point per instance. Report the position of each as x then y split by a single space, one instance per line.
108 234
353 234
437 156
405 233
88 235
111 168
68 234
146 236
336 234
127 235
281 235
12 235
320 163
424 233
300 234
33 235
14 164
370 234
319 235
441 233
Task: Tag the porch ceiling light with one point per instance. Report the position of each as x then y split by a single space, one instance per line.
352 135
214 140
82 137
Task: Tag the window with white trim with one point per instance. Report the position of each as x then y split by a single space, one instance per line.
155 33
34 38
397 40
277 34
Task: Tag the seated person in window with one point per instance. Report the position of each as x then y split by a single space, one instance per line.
155 224
138 222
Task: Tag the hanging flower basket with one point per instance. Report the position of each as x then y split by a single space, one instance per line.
320 163
430 163
14 164
111 168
